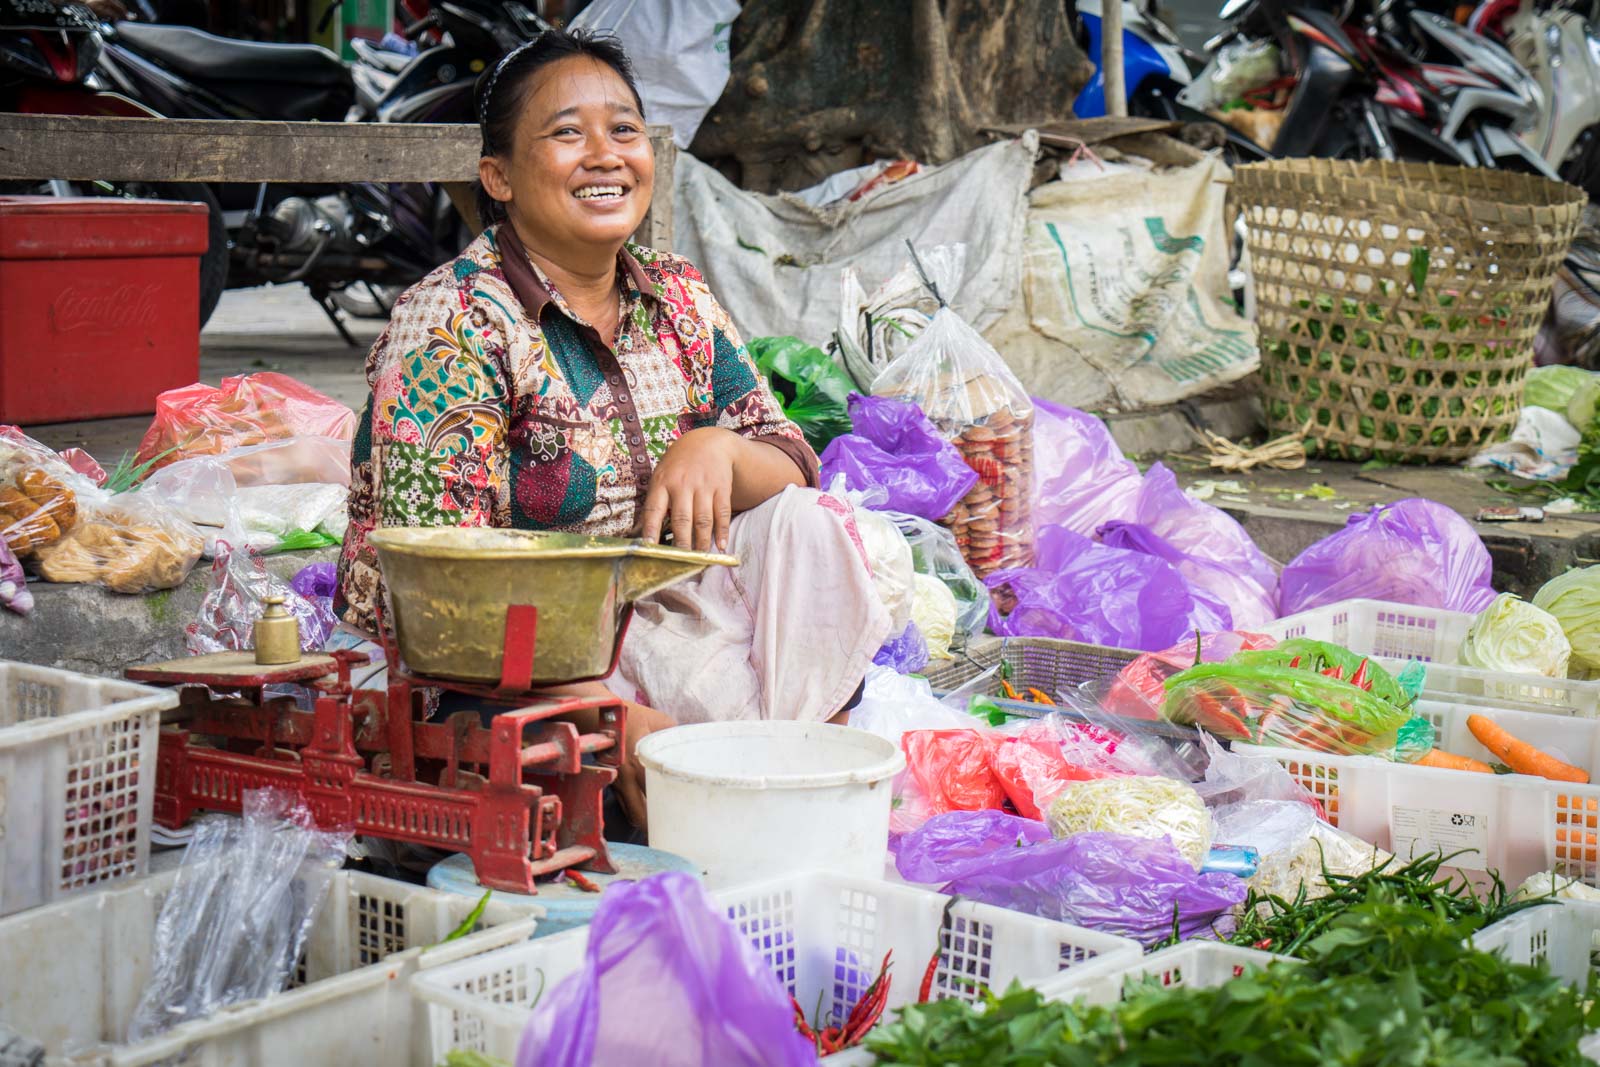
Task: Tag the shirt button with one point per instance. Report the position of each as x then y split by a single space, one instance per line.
616 379
622 398
634 439
631 417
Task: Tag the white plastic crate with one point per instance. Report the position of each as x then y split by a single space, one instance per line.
77 781
1379 628
1395 633
823 934
1202 964
75 971
1560 934
1515 824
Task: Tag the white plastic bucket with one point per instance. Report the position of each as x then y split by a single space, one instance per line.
749 800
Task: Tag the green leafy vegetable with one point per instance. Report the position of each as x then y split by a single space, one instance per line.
1419 270
1385 983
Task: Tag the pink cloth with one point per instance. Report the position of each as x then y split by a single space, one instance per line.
787 634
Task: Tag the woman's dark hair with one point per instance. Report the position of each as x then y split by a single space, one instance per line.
502 89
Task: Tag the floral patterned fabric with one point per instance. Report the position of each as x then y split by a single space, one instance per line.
494 404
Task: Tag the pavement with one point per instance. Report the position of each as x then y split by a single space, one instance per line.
90 629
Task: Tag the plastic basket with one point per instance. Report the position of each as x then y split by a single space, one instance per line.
1560 934
1397 302
1379 628
823 934
1394 633
78 968
1041 663
77 781
1202 964
1515 824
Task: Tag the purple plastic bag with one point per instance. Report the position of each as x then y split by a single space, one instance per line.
906 654
960 842
1082 591
1207 581
1237 571
1083 479
1130 886
14 592
896 448
1413 551
316 582
666 981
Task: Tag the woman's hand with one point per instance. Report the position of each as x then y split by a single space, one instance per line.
692 487
706 476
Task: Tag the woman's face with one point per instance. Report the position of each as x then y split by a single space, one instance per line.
579 171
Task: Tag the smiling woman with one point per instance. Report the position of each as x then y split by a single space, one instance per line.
555 377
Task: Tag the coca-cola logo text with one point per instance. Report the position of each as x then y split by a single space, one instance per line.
104 310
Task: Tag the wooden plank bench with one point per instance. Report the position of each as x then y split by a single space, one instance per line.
86 148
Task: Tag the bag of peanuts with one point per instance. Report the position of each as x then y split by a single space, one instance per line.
39 494
976 403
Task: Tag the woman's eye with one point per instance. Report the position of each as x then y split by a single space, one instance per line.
627 128
567 131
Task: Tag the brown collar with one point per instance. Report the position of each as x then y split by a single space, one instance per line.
531 290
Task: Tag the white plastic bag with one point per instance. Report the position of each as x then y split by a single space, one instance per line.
679 52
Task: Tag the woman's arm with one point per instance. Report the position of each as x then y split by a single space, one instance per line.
752 453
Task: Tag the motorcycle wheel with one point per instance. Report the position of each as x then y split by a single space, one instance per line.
357 299
213 264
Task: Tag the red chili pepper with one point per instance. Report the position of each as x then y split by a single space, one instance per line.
1336 673
1264 944
925 990
800 1022
1295 662
1359 676
581 882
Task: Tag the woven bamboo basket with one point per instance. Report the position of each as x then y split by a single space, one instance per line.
1397 302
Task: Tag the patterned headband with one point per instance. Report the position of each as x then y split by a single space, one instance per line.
488 89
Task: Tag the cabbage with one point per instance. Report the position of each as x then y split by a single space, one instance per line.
1580 409
889 557
933 611
1514 635
1574 599
1553 387
1151 806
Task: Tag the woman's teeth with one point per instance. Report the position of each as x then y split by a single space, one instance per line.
599 192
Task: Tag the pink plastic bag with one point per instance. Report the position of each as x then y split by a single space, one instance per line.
953 769
251 409
1413 551
1032 768
666 981
1084 481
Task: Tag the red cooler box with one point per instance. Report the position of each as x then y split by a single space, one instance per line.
99 305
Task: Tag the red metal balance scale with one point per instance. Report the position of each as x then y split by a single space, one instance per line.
515 796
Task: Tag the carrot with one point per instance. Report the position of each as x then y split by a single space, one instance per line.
1521 756
1451 761
1010 692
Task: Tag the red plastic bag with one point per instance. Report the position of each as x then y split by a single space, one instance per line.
251 409
1032 768
953 769
1140 688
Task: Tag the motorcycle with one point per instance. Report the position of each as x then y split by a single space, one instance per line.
1557 43
1398 83
48 58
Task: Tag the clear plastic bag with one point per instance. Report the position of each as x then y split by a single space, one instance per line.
668 981
975 402
128 543
272 497
237 597
935 554
40 494
1139 690
1237 66
14 593
250 409
245 900
1139 806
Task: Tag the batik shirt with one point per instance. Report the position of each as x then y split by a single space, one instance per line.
494 404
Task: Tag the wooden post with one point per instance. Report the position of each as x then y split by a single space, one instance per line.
1112 74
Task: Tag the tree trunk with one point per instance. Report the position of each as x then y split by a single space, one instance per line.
819 86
